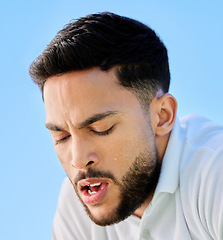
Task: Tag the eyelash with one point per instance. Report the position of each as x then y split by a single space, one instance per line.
104 133
62 140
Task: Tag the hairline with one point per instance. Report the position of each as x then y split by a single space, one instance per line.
144 101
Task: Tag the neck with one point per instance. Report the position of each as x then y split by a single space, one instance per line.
139 211
162 148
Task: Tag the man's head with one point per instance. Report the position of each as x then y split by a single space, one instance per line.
106 40
104 80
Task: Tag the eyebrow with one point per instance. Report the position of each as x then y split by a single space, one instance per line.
87 122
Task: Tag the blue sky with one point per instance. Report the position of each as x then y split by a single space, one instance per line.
31 174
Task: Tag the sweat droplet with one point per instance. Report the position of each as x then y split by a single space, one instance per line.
115 159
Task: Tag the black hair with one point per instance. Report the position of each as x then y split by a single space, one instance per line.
107 40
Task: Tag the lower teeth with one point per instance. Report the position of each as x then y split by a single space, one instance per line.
90 192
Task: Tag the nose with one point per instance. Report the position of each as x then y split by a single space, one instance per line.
84 154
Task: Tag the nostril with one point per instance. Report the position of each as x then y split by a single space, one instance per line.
89 163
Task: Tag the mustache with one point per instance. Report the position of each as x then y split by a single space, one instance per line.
93 173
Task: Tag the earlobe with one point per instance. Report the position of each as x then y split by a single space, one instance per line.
166 112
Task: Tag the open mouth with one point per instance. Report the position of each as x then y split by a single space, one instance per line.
93 190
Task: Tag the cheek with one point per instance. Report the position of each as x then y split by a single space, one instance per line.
120 153
65 158
123 149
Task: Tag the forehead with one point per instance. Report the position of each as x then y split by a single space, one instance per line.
83 93
83 82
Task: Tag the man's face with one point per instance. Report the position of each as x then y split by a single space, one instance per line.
104 141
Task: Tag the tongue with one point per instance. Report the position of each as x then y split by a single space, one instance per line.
95 188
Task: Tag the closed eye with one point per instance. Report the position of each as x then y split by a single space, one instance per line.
104 133
62 139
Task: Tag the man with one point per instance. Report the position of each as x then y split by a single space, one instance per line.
138 171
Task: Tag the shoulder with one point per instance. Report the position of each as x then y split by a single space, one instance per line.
201 174
200 131
202 150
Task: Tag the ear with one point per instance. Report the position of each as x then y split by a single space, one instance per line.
165 108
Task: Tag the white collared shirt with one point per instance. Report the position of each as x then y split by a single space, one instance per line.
188 201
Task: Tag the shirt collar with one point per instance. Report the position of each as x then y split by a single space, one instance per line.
169 175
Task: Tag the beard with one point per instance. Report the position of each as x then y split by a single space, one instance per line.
135 187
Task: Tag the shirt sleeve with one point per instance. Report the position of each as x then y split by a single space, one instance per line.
70 221
202 193
213 199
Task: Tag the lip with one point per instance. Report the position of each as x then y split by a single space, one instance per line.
97 197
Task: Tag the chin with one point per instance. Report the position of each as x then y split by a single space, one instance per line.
104 219
102 215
